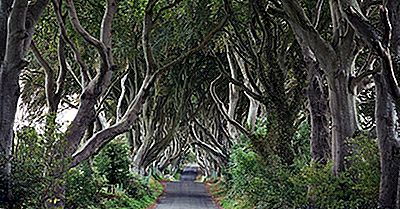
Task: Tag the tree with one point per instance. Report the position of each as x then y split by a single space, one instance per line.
335 59
15 43
387 89
269 71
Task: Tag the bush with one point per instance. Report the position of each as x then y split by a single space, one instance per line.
28 166
34 165
137 187
263 184
113 162
356 187
83 187
256 182
122 200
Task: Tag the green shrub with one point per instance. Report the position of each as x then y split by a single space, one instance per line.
264 184
356 187
113 162
257 182
124 201
137 187
83 187
36 160
28 166
36 164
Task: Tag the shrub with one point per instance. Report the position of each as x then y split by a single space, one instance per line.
137 186
35 164
356 187
83 187
257 182
113 162
28 166
263 183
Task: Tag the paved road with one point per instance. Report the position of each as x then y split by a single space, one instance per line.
186 194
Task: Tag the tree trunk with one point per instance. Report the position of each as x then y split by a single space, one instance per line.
19 25
254 104
386 119
336 60
5 143
233 97
9 94
10 70
5 6
319 110
137 161
343 115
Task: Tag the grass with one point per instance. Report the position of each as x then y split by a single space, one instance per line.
122 201
220 192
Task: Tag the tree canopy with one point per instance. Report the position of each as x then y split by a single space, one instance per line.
298 88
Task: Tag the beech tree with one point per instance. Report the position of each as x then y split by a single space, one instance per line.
95 80
335 58
273 77
387 89
199 78
17 21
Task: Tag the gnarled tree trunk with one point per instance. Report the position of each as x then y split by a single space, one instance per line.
386 120
17 33
343 114
336 61
319 110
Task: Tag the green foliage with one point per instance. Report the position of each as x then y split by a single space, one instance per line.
122 200
113 162
256 182
38 160
137 186
29 183
83 187
357 187
262 183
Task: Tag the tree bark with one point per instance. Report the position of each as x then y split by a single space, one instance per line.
319 110
336 62
254 104
21 21
386 119
5 6
344 123
387 90
233 96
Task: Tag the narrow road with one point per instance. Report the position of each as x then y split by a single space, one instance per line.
186 194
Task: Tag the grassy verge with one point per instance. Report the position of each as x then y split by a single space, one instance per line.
123 201
220 192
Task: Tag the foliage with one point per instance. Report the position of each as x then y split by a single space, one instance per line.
122 200
263 184
252 181
357 187
113 162
34 179
29 183
83 187
137 186
36 161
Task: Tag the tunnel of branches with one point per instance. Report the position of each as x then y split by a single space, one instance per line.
184 80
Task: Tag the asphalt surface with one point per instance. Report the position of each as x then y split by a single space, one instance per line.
186 194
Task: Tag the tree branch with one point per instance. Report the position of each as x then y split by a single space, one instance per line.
308 34
222 109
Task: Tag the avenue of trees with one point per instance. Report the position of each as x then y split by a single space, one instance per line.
290 103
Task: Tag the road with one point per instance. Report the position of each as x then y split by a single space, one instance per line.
186 194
